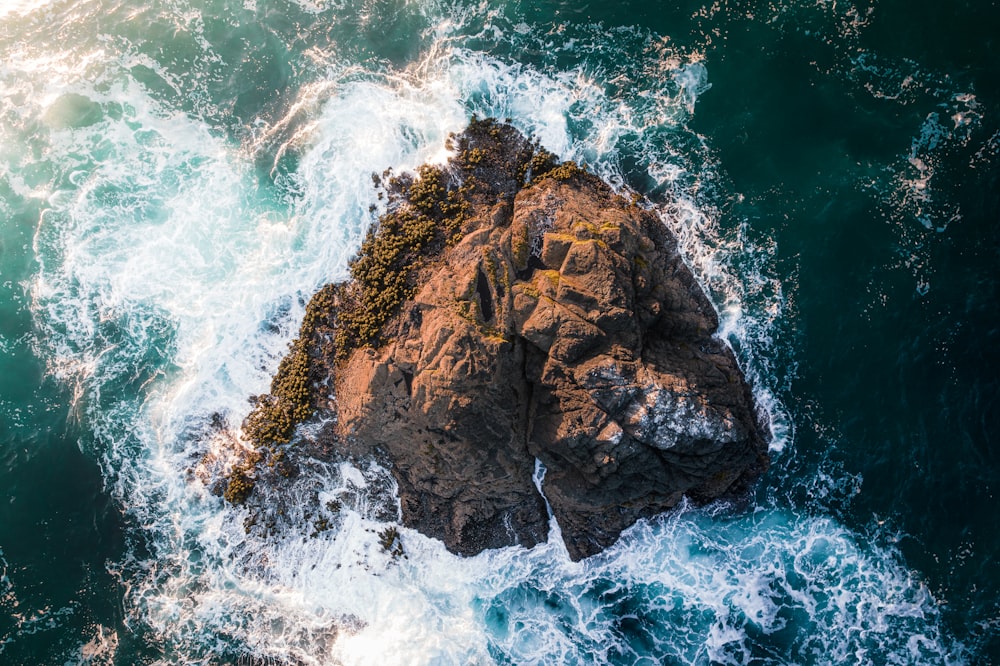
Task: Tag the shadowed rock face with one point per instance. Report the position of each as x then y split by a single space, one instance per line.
563 326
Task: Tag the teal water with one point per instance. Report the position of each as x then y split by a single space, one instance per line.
177 177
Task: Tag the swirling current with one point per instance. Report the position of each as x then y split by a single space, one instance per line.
177 177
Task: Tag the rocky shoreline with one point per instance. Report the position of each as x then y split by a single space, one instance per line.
509 310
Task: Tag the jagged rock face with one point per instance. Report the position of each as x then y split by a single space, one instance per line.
563 326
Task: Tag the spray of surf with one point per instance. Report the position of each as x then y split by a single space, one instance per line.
171 278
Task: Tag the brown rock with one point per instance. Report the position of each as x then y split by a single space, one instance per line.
562 326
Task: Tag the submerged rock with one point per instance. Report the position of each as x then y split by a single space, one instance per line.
510 309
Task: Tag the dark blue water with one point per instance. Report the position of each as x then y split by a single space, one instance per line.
176 178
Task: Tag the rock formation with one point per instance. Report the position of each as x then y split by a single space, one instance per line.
509 309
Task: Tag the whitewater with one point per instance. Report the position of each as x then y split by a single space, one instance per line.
176 236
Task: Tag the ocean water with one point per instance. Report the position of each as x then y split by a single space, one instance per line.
177 177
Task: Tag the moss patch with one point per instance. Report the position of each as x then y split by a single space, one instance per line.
563 172
276 414
290 401
383 274
391 542
240 482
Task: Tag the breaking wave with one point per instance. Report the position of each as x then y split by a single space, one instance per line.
174 261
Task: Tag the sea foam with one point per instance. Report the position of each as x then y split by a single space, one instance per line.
171 279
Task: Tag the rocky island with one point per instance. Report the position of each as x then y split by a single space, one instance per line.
510 312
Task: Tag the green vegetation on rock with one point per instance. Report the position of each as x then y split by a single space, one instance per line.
383 272
239 485
391 542
565 171
274 416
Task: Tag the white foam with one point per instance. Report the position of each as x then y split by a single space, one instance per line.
22 7
160 259
693 81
